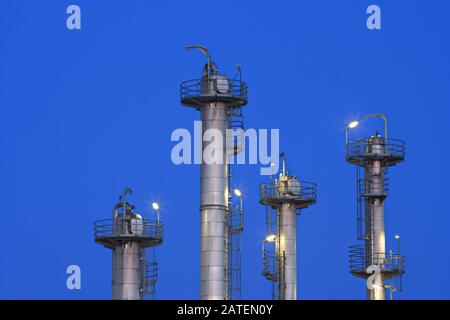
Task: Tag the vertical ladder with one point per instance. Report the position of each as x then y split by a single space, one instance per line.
149 274
235 218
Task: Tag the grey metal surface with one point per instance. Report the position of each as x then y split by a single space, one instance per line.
376 242
126 271
288 250
213 208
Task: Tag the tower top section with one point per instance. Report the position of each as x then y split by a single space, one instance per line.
288 189
376 147
213 86
127 225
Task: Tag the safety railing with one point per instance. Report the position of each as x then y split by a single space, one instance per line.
276 188
220 86
235 134
359 262
269 260
128 227
150 278
235 219
151 273
367 147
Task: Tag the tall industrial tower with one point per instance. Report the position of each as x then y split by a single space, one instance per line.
283 198
219 99
374 155
132 239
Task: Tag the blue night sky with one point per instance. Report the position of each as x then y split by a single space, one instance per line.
86 113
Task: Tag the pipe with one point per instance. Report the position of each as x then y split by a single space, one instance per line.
283 161
116 210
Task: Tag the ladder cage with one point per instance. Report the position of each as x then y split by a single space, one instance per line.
149 274
235 213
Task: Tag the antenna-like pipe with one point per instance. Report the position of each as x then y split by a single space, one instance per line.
116 209
283 161
124 199
205 52
382 116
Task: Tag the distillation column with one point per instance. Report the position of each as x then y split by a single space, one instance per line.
374 155
286 196
215 96
128 235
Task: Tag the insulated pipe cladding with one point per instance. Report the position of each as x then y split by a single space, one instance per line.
215 96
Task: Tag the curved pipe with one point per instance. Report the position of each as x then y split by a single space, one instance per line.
204 51
116 210
382 116
124 200
210 64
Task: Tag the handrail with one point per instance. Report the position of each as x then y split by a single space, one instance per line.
269 261
139 227
362 147
276 189
386 261
198 87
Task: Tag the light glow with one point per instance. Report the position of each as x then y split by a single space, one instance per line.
155 206
353 124
271 238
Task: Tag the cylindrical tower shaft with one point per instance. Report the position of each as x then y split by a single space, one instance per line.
126 271
288 252
375 240
213 205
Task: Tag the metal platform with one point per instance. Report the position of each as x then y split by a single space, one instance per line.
146 231
390 151
275 193
391 264
195 93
